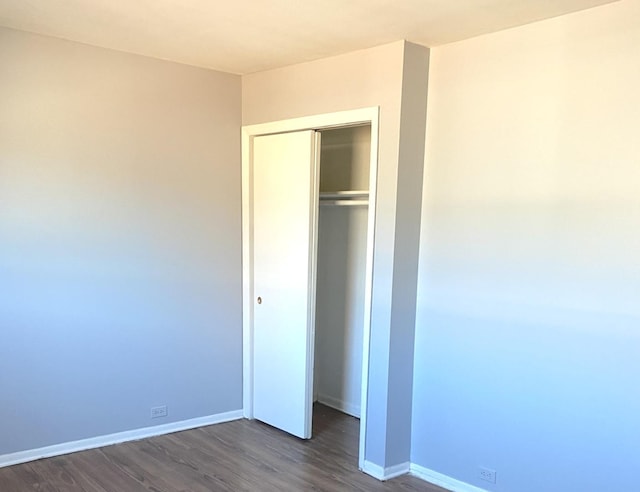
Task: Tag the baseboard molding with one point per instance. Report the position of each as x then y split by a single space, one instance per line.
107 440
441 480
340 405
388 473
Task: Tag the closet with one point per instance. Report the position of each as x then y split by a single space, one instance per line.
307 266
341 266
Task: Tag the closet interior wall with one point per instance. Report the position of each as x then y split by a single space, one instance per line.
341 265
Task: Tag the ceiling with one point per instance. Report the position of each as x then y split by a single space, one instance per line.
244 36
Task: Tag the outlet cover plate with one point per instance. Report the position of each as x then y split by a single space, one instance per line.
487 474
157 412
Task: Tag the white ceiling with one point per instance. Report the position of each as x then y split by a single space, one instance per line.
244 36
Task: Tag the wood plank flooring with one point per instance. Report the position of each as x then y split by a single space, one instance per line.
234 456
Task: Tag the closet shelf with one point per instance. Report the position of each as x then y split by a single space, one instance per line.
344 203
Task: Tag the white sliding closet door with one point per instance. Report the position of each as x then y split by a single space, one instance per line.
284 248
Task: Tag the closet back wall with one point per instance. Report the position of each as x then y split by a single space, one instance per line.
119 241
372 77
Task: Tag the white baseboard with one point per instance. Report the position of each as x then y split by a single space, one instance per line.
340 405
100 441
388 473
443 481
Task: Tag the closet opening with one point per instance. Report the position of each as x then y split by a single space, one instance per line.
341 261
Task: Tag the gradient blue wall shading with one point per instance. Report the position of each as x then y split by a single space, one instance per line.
119 241
528 334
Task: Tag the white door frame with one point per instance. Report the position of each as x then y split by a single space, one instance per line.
317 122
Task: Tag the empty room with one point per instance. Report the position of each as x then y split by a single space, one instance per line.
343 245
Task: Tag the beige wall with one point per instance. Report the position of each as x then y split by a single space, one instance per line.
528 320
120 274
362 79
367 78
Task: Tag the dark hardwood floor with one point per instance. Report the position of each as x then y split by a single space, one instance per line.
234 456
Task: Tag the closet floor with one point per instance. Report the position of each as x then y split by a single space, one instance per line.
234 456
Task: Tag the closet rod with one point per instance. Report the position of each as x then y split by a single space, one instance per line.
344 203
332 195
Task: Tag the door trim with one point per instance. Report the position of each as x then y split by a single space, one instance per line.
316 122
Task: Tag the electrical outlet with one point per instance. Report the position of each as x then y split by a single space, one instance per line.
157 412
487 474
